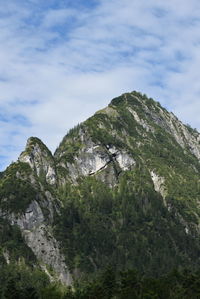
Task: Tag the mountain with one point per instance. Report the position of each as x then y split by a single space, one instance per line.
122 189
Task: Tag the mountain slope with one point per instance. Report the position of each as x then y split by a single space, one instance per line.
28 202
122 188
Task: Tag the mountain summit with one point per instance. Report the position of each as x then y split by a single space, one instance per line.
122 189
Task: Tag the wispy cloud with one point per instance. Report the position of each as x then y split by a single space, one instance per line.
62 61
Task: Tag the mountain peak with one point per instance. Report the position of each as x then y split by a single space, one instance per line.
128 98
35 142
40 159
149 113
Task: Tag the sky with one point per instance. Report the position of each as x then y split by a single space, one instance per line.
60 61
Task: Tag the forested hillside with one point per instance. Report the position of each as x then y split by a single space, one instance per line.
120 196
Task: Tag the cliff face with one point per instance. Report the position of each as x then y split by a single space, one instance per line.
132 130
40 160
35 169
122 188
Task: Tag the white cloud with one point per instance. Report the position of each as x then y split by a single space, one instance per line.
56 17
59 64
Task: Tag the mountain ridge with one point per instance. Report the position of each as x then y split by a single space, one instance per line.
122 188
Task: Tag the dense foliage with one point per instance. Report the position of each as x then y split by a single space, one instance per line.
125 227
129 285
20 282
16 192
17 281
12 244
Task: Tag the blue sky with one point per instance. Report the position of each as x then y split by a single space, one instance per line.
60 61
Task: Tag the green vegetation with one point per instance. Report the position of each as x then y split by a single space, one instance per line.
129 284
32 141
13 245
69 146
125 227
106 229
131 225
20 282
16 192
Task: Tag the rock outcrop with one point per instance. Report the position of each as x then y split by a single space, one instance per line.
40 159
